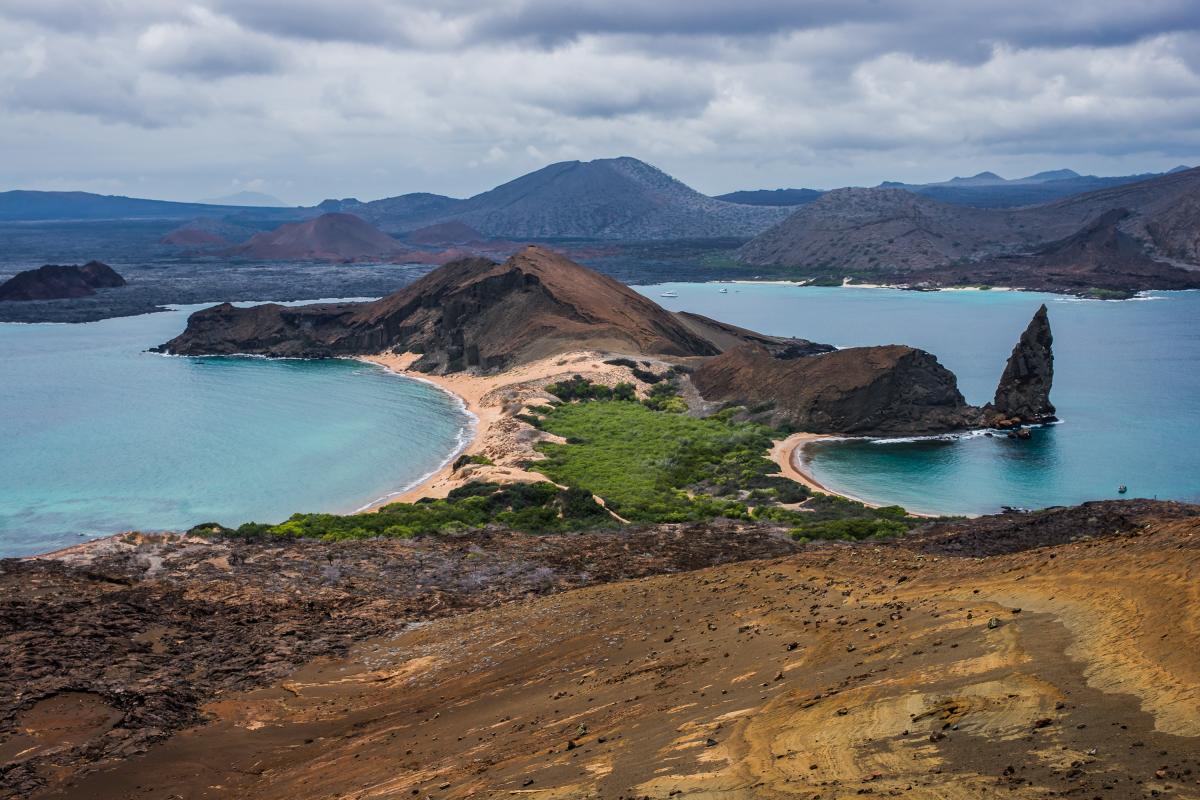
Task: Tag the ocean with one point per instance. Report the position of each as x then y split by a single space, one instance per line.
1126 385
100 436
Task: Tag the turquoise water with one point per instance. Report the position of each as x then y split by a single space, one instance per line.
1126 384
100 436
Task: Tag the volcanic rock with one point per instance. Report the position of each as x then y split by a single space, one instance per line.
1023 393
1141 235
54 282
472 313
892 389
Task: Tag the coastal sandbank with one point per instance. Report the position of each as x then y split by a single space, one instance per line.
499 436
494 400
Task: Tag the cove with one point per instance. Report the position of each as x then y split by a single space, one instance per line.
100 436
1127 388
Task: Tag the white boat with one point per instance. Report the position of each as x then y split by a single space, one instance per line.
724 291
670 294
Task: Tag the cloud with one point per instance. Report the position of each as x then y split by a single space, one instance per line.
209 46
378 97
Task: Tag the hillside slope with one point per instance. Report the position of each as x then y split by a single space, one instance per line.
472 313
610 198
893 233
1022 656
330 236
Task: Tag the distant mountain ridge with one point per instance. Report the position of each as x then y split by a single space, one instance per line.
982 190
32 206
608 199
896 234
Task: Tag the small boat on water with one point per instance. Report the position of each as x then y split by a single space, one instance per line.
670 294
1122 489
724 291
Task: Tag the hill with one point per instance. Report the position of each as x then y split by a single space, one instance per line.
332 237
207 233
472 313
53 282
897 235
612 199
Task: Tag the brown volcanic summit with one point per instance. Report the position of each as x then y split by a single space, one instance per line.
472 313
329 236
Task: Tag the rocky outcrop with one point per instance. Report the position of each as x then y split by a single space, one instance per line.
469 314
889 390
1023 394
54 282
880 391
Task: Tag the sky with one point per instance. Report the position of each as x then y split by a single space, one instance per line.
308 99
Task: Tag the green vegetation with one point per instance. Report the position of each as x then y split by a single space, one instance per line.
580 388
650 466
665 397
1095 293
463 460
530 507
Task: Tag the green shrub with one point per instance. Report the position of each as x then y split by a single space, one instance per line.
580 388
644 462
465 459
532 507
850 529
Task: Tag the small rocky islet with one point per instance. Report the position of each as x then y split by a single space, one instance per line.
55 282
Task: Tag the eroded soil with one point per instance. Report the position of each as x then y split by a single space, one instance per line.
965 661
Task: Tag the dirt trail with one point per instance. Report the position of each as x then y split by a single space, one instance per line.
840 671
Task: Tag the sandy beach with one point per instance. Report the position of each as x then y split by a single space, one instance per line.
787 452
494 400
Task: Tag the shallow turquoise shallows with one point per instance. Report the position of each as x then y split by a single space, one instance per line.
1126 384
100 436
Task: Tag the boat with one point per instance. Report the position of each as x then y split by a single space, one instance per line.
724 291
670 294
1122 489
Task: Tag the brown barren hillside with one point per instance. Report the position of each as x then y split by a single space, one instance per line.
328 237
1060 663
472 313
